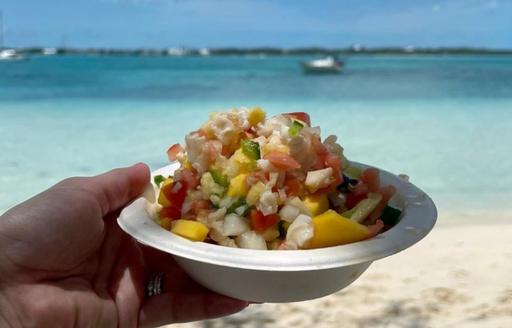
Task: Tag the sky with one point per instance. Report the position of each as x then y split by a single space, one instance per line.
254 23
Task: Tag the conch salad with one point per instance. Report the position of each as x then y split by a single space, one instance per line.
249 181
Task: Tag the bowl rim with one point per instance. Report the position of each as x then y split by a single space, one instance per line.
418 219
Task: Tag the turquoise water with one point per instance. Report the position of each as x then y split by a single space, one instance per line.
445 121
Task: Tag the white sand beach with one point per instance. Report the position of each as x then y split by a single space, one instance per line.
458 276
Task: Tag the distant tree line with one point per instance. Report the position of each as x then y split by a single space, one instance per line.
269 51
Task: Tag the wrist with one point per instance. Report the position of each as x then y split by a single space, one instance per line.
8 317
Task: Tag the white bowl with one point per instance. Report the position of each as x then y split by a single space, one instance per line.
284 276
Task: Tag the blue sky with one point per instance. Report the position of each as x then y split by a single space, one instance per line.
249 23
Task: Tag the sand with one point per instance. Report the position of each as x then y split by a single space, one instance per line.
458 276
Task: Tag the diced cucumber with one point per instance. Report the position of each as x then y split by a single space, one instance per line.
363 208
353 171
390 215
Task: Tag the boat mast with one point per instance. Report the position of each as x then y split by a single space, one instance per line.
1 30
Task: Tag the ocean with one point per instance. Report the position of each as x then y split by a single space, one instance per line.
446 121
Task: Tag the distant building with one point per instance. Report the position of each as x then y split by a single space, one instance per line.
409 49
356 47
204 52
176 52
49 51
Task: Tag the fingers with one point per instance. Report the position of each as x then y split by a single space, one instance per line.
183 299
127 283
184 307
114 189
175 279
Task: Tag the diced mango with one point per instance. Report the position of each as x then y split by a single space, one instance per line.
193 230
237 186
331 229
245 164
316 204
166 223
256 115
254 193
162 200
267 148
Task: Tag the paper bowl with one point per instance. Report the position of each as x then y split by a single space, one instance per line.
284 276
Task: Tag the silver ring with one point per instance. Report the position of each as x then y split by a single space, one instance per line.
155 285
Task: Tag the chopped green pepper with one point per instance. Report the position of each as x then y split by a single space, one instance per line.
158 179
251 149
240 202
219 178
295 128
390 215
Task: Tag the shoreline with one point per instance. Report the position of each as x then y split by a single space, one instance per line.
457 276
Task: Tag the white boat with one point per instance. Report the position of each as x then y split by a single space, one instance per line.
49 51
204 52
323 65
10 54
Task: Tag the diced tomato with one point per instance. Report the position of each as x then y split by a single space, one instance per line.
173 151
267 176
301 116
172 212
175 193
254 177
260 222
319 147
199 205
351 199
386 192
334 161
189 178
202 133
360 189
375 228
292 186
248 135
282 161
213 148
371 178
318 164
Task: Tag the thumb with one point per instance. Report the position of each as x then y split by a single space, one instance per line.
114 189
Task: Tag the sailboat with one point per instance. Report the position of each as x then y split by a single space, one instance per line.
7 54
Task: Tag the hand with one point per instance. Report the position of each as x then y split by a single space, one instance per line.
64 262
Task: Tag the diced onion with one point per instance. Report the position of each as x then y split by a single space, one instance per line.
251 240
300 231
289 213
234 225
